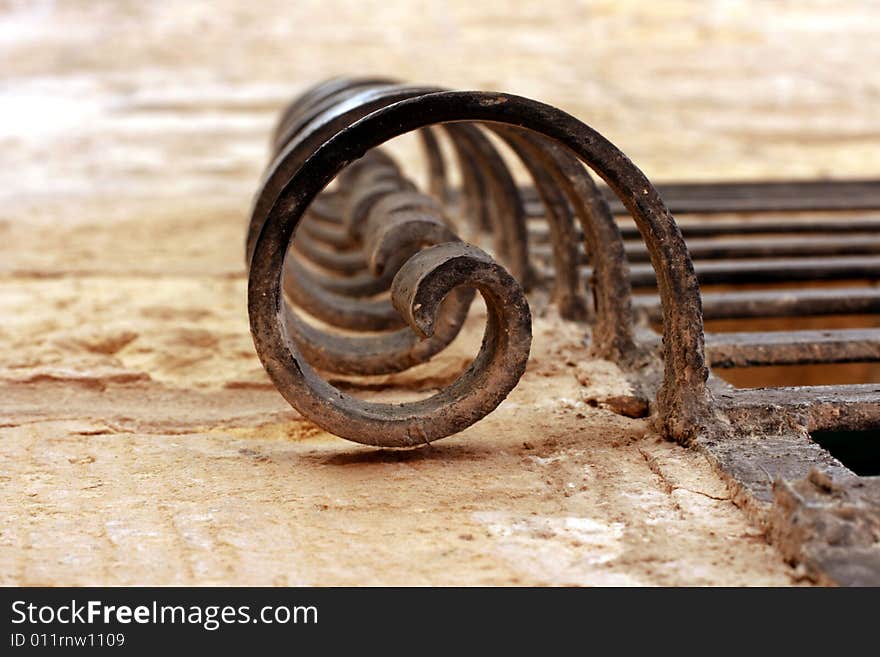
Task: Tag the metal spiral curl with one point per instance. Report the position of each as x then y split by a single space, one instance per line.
378 279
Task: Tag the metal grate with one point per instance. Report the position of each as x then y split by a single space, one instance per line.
800 254
373 275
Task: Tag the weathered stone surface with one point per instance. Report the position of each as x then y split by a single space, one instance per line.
140 440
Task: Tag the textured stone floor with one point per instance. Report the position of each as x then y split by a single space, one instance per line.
141 442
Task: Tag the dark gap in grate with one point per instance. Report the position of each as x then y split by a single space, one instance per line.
857 450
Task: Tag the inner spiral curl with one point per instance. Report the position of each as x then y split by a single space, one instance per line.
379 265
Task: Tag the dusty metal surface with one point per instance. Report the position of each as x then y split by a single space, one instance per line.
830 527
371 277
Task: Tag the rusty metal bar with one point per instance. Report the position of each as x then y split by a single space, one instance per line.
776 303
761 247
793 347
772 247
778 270
771 196
750 226
796 225
760 196
852 407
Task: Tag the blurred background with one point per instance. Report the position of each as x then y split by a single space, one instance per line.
171 98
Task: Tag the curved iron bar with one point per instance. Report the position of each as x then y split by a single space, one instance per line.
554 147
291 155
568 291
613 330
316 100
380 194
